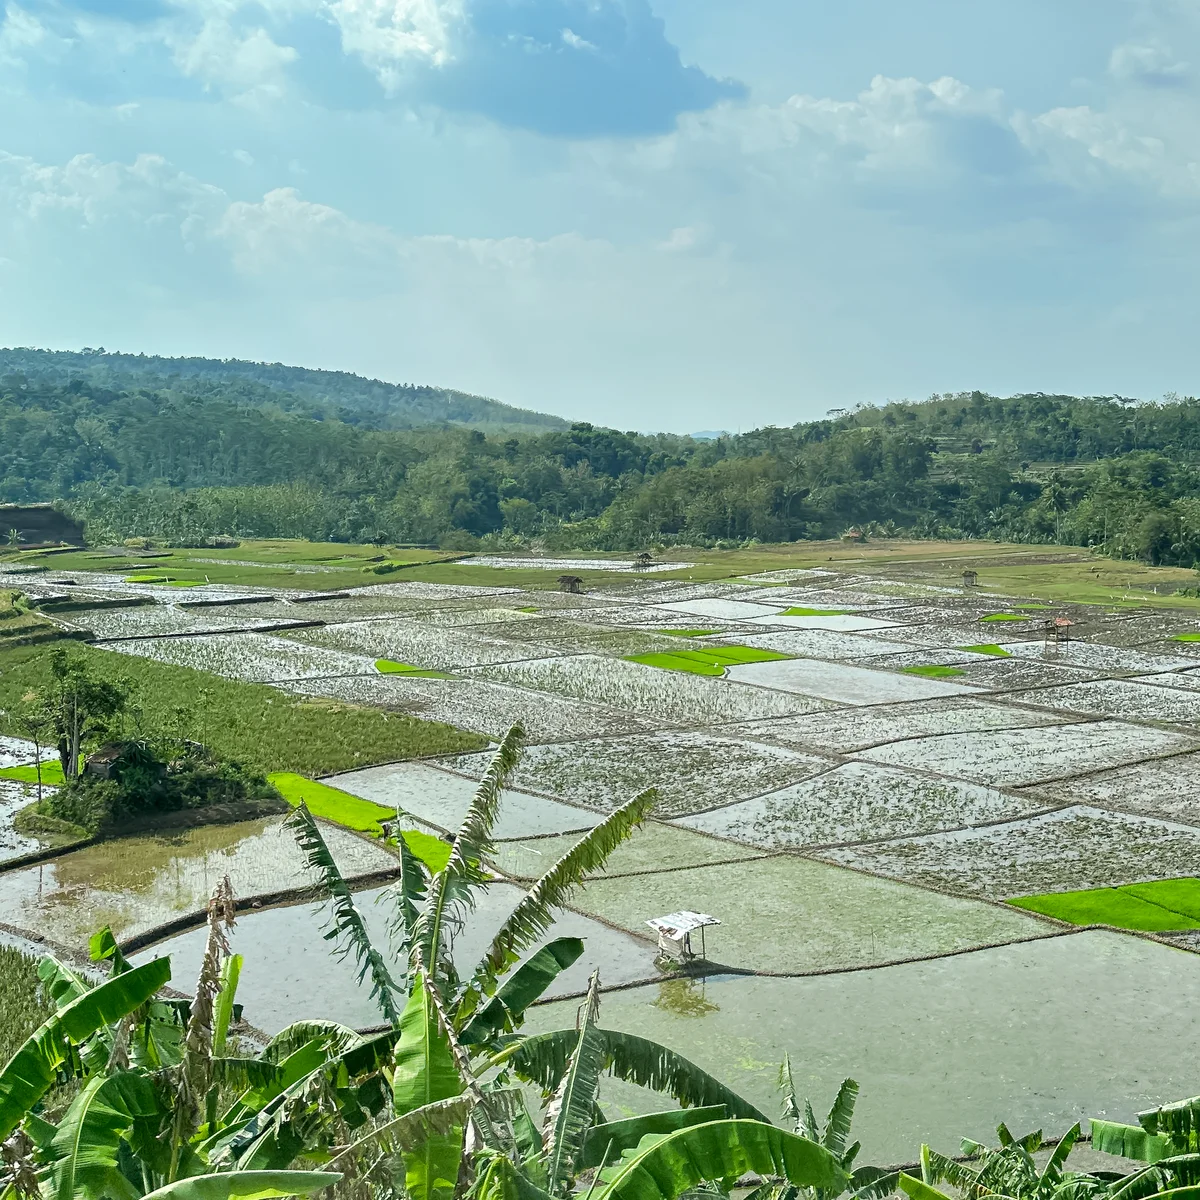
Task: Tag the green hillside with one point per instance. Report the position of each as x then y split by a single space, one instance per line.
351 398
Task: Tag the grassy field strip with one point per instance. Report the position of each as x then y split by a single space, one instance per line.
51 772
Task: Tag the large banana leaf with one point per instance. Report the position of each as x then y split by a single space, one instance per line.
1130 1141
569 1113
31 1071
542 1059
406 896
841 1115
337 1037
606 1143
917 1189
346 925
500 1179
664 1168
425 1072
84 1155
527 983
452 892
534 915
246 1185
1176 1172
1179 1121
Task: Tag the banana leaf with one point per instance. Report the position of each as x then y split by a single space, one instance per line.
526 985
246 1185
425 1072
916 1189
611 1140
1130 1141
663 1168
31 1072
83 1158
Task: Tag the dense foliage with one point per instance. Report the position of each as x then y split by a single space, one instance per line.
243 449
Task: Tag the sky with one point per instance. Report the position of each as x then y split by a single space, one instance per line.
652 214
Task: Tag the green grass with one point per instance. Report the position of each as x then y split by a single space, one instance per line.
23 1007
1168 904
688 633
813 612
52 773
932 672
988 648
385 666
1032 606
528 608
709 661
353 812
247 722
1187 637
1004 617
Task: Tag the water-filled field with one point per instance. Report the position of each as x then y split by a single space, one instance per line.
855 814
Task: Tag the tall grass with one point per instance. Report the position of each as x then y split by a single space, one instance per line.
22 1006
251 723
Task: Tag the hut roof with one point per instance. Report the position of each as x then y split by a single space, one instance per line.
676 924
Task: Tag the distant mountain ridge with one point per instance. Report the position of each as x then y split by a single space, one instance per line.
350 398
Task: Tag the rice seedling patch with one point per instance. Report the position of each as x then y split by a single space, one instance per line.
911 1036
385 666
1167 904
50 770
251 657
1187 637
691 770
690 633
1016 757
474 704
844 731
840 683
855 802
988 648
1122 698
430 647
284 951
722 610
933 671
1004 616
331 803
846 623
663 696
826 643
441 799
1109 659
802 915
1067 850
712 660
797 611
137 883
1165 788
24 1004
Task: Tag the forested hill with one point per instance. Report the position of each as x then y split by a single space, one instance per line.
351 399
180 463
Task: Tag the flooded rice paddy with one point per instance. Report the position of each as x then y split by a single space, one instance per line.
832 812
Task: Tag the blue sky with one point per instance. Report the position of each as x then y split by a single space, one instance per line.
656 214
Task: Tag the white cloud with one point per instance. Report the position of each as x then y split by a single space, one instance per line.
237 61
1152 64
387 34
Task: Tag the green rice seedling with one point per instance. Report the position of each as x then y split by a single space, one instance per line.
932 672
385 666
1142 907
331 803
1187 637
688 633
52 772
1006 616
814 612
988 648
709 661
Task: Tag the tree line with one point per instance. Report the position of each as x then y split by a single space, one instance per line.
227 459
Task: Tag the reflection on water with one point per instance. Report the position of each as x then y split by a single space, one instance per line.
136 883
685 998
